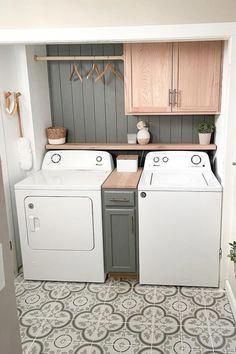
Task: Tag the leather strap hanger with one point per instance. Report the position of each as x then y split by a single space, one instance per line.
13 106
10 105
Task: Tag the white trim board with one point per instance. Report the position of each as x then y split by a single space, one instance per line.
231 298
114 34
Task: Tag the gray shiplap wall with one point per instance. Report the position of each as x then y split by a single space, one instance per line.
94 111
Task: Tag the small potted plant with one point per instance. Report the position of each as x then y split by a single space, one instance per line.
205 130
232 252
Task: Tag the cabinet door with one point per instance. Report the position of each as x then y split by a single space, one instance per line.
148 78
120 245
197 76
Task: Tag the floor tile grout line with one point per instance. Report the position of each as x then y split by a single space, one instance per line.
153 318
180 321
48 317
106 296
208 323
100 316
103 302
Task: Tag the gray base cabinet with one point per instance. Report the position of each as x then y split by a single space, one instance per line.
120 231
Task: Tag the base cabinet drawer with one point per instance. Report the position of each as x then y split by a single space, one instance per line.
120 239
119 198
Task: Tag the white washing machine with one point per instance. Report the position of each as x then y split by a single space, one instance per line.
60 217
179 220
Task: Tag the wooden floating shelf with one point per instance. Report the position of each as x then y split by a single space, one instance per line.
117 146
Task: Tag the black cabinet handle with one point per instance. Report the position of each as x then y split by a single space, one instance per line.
132 225
119 200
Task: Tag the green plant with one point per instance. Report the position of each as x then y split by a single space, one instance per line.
205 127
232 252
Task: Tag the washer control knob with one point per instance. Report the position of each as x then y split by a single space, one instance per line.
165 159
99 158
196 159
55 158
31 206
143 195
156 159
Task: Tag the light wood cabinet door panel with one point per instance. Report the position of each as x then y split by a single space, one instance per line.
148 77
197 76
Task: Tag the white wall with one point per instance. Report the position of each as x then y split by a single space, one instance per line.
221 119
17 73
96 13
229 216
39 99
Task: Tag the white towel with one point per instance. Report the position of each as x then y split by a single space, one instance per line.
25 154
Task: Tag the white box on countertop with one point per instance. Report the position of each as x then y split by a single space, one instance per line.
127 163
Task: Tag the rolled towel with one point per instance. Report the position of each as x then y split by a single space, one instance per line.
25 154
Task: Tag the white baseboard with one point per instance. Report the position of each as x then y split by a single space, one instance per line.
231 298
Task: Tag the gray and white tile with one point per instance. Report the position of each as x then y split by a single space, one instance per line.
123 317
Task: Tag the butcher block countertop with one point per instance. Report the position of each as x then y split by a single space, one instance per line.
122 180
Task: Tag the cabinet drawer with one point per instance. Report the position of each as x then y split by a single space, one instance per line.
119 198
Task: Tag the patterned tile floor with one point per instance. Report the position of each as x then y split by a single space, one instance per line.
123 317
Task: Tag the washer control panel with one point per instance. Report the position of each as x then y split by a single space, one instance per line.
176 160
77 160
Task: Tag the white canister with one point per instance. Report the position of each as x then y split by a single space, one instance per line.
127 163
143 136
131 138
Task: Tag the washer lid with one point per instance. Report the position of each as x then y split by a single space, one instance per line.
179 181
61 180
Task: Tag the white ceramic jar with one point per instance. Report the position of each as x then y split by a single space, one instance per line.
143 136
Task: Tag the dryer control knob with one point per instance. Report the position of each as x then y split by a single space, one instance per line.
196 159
165 159
99 158
156 159
143 195
55 158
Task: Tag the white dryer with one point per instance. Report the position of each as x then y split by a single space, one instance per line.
179 220
60 217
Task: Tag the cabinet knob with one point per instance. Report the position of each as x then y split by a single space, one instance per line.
234 163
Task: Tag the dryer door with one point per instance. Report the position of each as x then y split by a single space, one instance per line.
59 223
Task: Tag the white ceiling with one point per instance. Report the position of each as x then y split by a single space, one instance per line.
100 13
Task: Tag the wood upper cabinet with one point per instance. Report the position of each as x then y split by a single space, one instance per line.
197 76
173 78
148 77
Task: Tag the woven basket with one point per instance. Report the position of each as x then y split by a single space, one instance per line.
56 135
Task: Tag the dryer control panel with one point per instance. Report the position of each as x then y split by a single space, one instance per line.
177 160
77 160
